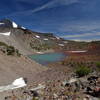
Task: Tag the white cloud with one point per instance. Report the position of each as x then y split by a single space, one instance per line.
81 35
86 40
79 26
54 3
81 40
51 4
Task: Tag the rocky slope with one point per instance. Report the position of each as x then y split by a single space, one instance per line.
26 41
12 67
16 42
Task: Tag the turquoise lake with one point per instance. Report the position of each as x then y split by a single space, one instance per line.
47 58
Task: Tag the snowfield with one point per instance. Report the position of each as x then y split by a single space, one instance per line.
61 45
23 27
58 38
6 33
40 52
2 23
18 83
78 51
14 25
37 36
45 39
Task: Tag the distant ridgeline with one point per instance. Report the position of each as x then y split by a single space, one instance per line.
47 34
28 42
95 45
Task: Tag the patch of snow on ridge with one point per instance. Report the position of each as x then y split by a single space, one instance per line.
14 25
18 83
40 52
37 36
45 39
23 28
58 38
61 44
2 23
79 51
6 33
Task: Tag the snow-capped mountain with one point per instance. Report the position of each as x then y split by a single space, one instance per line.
25 40
8 24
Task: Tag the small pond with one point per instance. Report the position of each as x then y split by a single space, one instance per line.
47 57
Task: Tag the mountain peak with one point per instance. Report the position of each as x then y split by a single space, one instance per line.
8 23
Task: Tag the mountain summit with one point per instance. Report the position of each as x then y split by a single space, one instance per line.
8 24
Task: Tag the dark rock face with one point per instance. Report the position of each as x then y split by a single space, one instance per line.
6 23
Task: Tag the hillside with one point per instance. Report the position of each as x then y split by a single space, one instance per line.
15 43
12 67
27 41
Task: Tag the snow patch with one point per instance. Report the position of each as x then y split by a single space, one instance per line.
2 23
61 44
78 51
37 36
6 33
14 25
45 39
40 52
23 27
18 83
57 38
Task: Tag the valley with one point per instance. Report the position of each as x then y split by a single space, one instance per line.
59 69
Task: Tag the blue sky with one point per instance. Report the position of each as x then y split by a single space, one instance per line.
70 19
